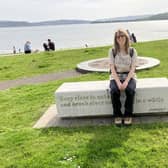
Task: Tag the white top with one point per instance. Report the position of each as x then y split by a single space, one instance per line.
121 61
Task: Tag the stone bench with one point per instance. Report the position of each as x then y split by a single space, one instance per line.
79 99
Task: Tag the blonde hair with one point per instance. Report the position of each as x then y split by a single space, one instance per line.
127 42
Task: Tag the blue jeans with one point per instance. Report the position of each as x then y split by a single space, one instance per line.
115 98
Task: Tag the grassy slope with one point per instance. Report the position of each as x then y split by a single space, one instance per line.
87 147
30 65
45 62
156 49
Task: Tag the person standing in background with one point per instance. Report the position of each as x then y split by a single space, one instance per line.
129 35
51 45
134 38
14 50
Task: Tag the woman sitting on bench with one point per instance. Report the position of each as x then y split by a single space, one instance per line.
122 73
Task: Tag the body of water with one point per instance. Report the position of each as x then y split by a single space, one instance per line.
76 36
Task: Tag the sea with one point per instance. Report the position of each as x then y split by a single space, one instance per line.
78 35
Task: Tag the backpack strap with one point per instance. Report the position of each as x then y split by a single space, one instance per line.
113 52
131 51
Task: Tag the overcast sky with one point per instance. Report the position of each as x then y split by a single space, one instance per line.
39 10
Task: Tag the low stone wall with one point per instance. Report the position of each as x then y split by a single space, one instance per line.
78 99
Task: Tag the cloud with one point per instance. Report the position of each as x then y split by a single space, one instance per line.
36 10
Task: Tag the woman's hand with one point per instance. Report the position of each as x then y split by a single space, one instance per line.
124 85
119 84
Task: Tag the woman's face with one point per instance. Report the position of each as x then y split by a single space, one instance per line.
121 39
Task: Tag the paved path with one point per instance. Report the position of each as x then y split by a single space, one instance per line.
38 79
50 117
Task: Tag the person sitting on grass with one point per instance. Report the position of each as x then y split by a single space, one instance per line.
45 46
27 47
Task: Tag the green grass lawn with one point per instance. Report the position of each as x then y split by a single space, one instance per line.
21 146
30 65
46 62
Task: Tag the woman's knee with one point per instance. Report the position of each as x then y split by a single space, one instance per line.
131 85
130 91
113 85
115 91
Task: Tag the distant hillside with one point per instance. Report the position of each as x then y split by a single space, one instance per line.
161 16
122 19
45 23
59 22
13 23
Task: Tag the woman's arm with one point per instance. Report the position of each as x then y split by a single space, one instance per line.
132 70
131 73
115 76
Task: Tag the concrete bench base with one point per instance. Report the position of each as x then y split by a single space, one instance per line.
51 119
78 99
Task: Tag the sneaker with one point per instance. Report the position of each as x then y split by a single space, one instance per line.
118 120
128 120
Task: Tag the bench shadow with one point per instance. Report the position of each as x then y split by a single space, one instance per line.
104 143
103 146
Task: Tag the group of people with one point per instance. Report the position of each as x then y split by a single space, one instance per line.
50 46
27 48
